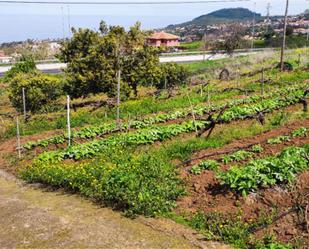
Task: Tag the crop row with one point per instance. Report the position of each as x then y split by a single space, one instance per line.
266 172
94 131
161 133
242 155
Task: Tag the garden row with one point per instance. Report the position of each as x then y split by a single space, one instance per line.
269 171
101 130
161 133
242 155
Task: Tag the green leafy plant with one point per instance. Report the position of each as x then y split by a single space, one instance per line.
257 148
196 170
209 165
278 140
266 172
237 156
204 165
137 185
240 113
300 132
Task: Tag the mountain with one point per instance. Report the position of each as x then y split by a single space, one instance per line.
222 16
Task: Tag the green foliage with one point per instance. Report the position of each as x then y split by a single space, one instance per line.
257 148
204 165
292 41
94 59
25 66
278 140
217 227
41 90
237 156
145 136
93 131
192 46
300 132
139 185
172 74
232 230
162 133
266 172
279 119
227 15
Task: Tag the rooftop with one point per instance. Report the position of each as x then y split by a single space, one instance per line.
163 35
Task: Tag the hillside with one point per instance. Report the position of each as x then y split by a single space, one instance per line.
221 16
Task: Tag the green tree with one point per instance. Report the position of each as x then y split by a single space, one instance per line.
26 65
172 75
41 90
94 59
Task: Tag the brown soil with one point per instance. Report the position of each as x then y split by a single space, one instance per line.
8 149
206 194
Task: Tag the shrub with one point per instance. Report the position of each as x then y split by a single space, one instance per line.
136 184
172 74
25 66
41 90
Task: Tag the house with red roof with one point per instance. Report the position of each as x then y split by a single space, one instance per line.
163 39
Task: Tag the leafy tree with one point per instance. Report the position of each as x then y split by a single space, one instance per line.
172 75
26 65
41 90
94 59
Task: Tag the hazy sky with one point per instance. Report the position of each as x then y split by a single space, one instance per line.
22 21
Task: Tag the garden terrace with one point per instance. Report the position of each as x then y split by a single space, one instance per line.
94 131
161 133
155 165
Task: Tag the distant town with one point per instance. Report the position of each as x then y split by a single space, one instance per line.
199 34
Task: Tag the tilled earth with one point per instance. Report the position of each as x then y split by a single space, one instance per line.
206 194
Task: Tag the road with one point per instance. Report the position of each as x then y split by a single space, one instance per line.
55 68
52 68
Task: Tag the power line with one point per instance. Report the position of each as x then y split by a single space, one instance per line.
121 3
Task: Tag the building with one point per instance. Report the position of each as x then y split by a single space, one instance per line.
5 59
163 39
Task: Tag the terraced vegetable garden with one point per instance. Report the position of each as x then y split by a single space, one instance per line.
234 165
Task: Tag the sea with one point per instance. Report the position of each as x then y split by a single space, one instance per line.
23 27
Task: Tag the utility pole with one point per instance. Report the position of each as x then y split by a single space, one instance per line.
284 35
253 27
268 17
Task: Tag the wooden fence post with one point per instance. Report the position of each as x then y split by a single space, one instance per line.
18 137
68 121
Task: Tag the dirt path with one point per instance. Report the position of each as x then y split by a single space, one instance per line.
32 218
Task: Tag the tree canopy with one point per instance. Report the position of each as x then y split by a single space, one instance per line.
94 58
